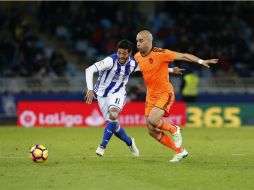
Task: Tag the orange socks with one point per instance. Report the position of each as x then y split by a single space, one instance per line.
165 140
164 125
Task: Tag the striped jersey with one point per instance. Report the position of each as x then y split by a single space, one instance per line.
113 76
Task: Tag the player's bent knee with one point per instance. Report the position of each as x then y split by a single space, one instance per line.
153 120
150 121
113 115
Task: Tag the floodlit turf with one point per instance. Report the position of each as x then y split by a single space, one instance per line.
219 159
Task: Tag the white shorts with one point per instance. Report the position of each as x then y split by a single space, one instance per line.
116 100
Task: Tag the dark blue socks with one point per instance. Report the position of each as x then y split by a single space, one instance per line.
108 132
110 129
121 134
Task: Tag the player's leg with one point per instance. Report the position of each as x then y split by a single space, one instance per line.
156 120
154 112
162 137
162 106
109 128
153 115
164 103
117 103
154 132
130 142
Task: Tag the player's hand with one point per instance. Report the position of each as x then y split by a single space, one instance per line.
178 71
209 61
89 97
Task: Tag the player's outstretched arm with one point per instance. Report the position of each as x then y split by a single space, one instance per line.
192 58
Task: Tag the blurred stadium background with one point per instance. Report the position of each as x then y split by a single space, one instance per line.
46 46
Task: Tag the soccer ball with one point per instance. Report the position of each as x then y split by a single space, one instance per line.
39 153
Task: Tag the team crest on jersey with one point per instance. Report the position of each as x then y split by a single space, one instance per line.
151 60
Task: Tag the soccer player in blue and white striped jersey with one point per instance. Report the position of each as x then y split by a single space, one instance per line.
114 73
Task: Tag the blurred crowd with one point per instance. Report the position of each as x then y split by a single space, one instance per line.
23 53
221 30
92 28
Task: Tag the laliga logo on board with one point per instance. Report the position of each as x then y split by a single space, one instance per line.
28 119
60 119
95 119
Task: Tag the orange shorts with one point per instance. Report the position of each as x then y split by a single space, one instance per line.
163 101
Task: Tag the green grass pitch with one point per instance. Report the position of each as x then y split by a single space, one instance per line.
219 159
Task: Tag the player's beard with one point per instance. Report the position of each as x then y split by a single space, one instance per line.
143 50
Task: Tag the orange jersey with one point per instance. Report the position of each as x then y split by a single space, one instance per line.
154 68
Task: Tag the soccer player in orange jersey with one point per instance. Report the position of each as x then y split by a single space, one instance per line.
153 64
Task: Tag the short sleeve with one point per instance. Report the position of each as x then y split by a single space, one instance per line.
169 55
104 64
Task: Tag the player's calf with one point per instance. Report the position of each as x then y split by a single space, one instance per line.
108 132
151 130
